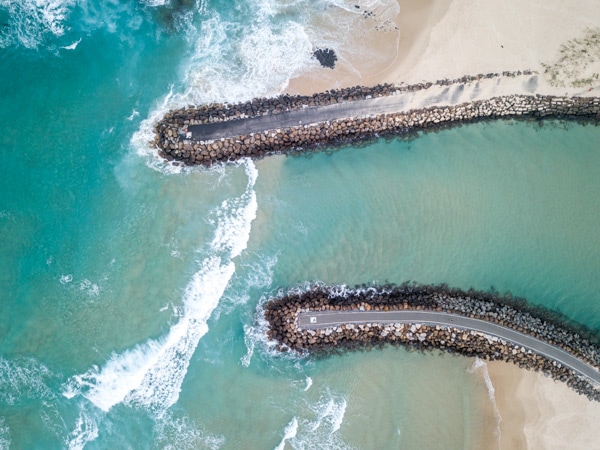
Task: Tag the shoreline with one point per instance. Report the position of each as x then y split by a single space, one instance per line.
537 412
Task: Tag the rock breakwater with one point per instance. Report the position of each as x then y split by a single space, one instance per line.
283 312
179 136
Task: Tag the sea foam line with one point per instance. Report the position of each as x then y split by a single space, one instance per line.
86 430
290 432
150 375
481 364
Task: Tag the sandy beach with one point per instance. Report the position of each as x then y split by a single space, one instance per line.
539 413
438 39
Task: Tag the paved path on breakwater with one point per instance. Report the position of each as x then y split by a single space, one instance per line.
327 319
287 119
402 101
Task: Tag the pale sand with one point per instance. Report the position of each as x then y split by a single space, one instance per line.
480 36
439 39
539 413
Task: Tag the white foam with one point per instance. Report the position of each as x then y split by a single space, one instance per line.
85 431
22 380
259 61
256 336
181 433
133 115
330 414
235 232
154 3
259 275
31 21
322 431
4 434
150 375
64 279
73 46
480 364
309 383
92 289
290 432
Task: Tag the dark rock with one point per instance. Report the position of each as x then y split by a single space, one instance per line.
326 57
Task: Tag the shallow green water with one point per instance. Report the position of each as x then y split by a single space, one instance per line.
130 290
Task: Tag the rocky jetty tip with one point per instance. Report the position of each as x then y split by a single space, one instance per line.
569 353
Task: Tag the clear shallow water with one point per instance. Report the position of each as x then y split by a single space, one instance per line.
130 291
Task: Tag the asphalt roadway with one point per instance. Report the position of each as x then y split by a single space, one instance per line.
304 116
368 107
328 319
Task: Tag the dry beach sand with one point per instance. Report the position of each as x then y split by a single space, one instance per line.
429 40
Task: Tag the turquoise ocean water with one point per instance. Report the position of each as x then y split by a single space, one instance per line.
131 291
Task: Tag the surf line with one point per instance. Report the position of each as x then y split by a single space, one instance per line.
328 319
209 134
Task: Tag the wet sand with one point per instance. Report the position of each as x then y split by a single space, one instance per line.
539 413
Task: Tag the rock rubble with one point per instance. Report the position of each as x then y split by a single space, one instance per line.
281 314
174 143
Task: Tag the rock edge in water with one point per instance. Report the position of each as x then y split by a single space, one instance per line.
174 143
281 314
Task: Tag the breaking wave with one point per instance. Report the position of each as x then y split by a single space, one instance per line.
290 432
150 375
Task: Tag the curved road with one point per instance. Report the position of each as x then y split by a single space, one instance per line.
326 319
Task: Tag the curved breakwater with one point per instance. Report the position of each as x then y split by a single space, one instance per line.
286 317
287 124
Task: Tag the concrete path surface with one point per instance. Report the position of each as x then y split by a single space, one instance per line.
328 319
400 102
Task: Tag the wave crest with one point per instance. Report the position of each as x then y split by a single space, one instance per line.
150 375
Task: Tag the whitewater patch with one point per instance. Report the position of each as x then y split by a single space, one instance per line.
23 380
85 431
309 383
92 289
133 115
176 433
256 335
290 432
320 428
330 414
73 46
64 279
30 22
267 52
150 375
